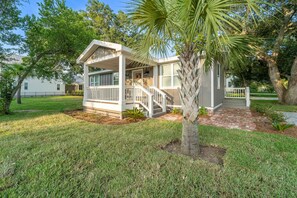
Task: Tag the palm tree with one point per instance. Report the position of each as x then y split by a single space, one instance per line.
201 31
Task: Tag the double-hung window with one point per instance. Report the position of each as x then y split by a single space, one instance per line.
169 76
26 86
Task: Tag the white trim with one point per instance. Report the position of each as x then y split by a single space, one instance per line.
131 69
214 108
101 72
219 76
155 76
122 82
212 85
137 70
174 106
172 75
103 101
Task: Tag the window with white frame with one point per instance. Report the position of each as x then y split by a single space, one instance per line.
26 86
58 87
169 75
219 76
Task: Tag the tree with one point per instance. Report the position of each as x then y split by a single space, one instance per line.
111 27
278 48
205 27
10 20
53 41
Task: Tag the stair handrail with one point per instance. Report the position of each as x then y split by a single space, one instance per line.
159 97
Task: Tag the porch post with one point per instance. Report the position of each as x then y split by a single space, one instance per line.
155 71
122 80
86 82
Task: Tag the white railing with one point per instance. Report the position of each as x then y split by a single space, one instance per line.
103 93
138 94
234 92
243 93
159 97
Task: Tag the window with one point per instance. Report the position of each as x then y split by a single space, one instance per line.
58 87
26 86
116 79
169 75
219 77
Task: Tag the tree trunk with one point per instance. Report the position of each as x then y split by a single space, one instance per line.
6 106
276 81
291 95
274 73
190 76
19 96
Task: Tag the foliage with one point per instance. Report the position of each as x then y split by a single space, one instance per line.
135 114
6 89
281 126
203 111
269 112
176 111
10 20
75 93
261 87
109 26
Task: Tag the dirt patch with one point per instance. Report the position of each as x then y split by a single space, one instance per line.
263 124
208 153
99 119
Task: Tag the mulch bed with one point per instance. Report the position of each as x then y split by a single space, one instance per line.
263 124
99 119
208 153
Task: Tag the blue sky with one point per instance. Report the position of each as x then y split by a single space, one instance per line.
31 7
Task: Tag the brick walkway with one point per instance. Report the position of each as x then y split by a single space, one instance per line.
230 118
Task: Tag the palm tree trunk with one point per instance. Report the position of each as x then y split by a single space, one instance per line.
190 76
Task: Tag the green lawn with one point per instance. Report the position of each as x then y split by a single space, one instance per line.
51 154
264 95
275 105
55 103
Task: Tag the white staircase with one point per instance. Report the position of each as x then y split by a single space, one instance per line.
152 100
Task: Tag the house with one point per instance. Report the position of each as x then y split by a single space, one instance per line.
123 82
33 86
77 86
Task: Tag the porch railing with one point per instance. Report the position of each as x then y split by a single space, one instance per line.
159 97
103 93
138 94
234 92
240 93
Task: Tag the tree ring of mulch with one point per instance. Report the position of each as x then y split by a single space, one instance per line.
207 153
99 118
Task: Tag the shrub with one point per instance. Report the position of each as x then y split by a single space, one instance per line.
203 111
281 126
75 93
267 111
135 114
176 111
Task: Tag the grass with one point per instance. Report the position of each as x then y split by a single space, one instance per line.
264 95
275 105
50 154
56 103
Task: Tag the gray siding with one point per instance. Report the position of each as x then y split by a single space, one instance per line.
204 96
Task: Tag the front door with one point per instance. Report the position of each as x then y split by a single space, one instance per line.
137 77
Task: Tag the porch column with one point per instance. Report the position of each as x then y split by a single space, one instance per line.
155 71
122 80
86 81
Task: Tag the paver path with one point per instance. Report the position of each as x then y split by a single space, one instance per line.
291 117
230 118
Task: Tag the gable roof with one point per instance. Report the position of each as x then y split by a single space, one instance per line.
95 44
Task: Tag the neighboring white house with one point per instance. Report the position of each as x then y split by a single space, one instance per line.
33 86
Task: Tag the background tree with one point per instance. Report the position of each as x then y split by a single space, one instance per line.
109 26
278 31
53 41
194 27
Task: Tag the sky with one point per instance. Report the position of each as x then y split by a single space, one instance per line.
31 6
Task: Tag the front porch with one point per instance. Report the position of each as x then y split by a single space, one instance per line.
136 85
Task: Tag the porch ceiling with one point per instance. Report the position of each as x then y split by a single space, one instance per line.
110 64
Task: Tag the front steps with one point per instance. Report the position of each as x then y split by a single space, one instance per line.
234 103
